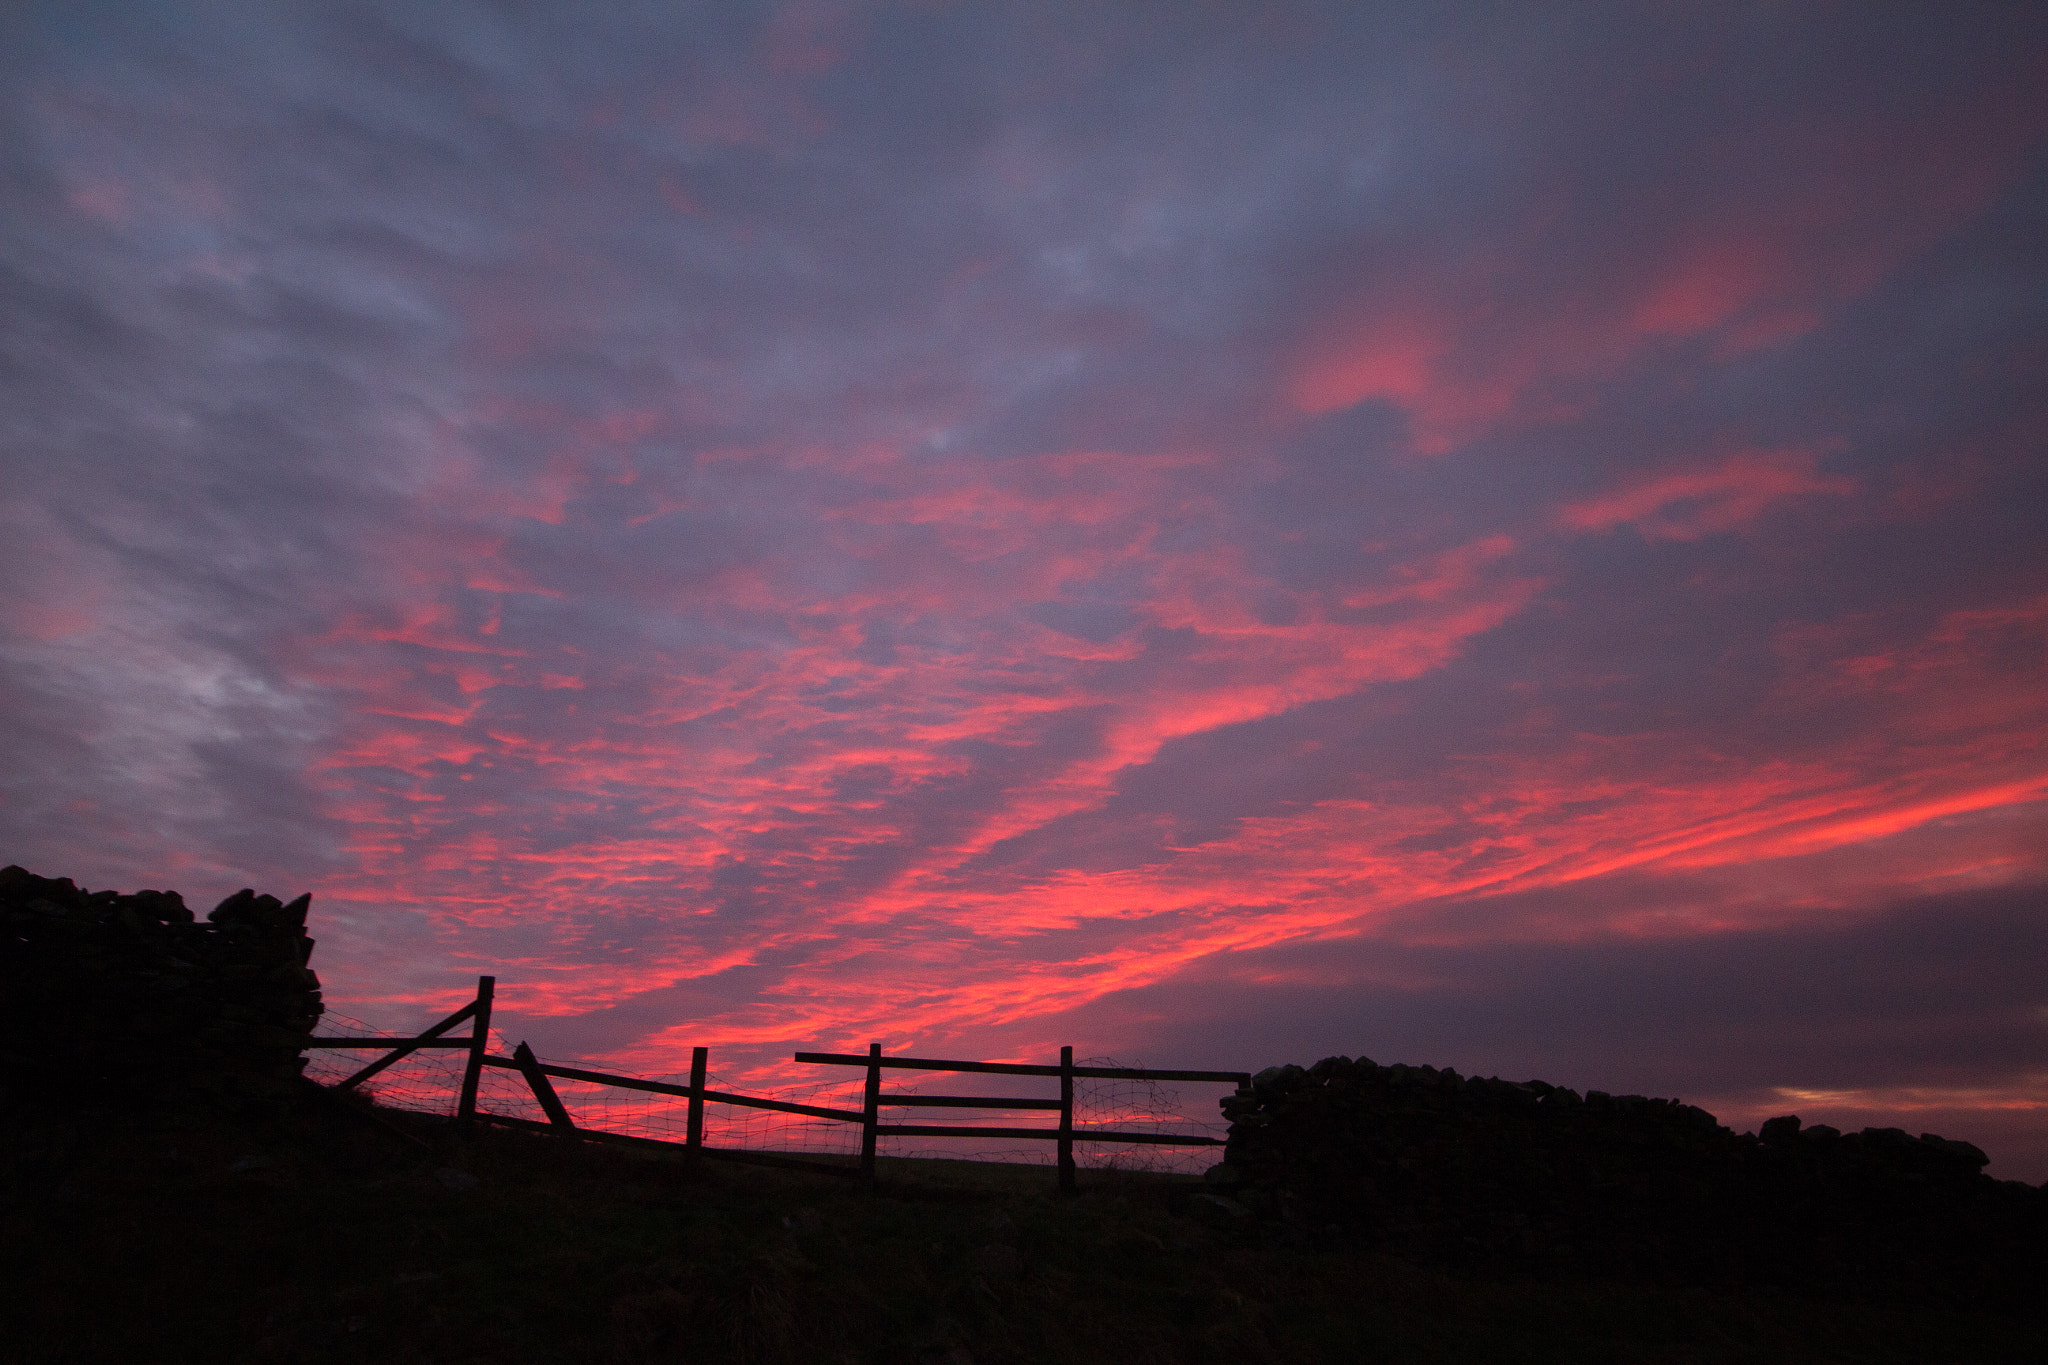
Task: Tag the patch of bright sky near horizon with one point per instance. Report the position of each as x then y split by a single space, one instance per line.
1504 538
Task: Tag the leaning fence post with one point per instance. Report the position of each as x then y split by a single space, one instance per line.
871 1109
479 1044
695 1141
543 1089
1067 1120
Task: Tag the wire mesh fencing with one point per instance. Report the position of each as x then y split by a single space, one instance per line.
426 1082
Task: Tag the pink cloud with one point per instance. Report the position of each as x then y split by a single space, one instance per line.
1406 356
1688 504
1468 339
52 588
107 200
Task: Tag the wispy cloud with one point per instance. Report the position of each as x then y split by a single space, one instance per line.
1687 504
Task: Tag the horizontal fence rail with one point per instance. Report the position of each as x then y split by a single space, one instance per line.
1075 1135
1118 1073
966 1102
539 1077
387 1042
572 1073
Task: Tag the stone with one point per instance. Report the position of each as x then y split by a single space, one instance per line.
1780 1131
1966 1152
1279 1078
100 990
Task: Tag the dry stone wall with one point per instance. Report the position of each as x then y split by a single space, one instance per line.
1526 1175
131 996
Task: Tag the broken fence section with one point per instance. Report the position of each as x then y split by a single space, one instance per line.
825 1135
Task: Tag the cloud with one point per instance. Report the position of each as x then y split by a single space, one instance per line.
928 522
1687 504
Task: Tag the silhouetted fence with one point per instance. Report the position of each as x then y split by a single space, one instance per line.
1065 1134
540 1077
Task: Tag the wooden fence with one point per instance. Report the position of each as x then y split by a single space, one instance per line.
1065 1134
538 1074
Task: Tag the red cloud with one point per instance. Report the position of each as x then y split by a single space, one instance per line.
1407 356
1465 337
1688 504
787 752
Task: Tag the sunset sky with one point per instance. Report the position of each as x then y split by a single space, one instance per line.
1510 538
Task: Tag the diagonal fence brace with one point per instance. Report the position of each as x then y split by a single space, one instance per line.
407 1048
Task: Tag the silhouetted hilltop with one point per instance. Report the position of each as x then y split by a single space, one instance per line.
1361 1214
1531 1176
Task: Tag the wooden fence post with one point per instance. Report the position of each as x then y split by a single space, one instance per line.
479 1046
695 1142
1066 1120
543 1089
871 1109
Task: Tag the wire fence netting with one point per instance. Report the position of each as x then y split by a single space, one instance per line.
429 1081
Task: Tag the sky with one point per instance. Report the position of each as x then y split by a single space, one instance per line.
1512 538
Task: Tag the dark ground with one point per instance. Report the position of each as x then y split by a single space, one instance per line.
313 1235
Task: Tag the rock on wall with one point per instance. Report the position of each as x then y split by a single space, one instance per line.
1530 1175
129 995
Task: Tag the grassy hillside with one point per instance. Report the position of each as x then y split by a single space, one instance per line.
316 1236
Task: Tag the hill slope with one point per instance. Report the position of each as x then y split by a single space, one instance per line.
319 1234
